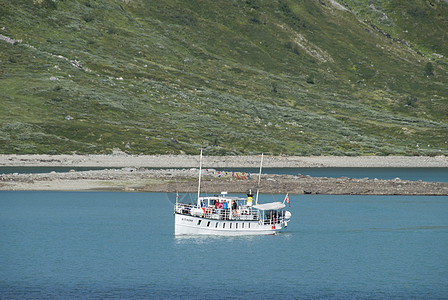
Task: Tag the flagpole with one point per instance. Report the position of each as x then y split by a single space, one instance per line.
259 178
200 171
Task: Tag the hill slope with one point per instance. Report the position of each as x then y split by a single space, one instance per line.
236 77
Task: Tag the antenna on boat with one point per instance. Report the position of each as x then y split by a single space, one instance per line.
259 178
200 173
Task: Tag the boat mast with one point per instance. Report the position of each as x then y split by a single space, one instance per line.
199 184
259 178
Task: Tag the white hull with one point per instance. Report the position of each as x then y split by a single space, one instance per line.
191 225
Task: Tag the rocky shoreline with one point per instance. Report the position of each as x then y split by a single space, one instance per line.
185 181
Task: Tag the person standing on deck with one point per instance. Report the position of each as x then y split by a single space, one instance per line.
225 206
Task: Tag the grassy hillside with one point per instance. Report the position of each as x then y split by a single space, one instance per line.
236 77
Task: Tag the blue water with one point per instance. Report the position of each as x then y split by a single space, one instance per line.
425 174
121 245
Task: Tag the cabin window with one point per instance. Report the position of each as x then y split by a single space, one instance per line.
242 225
216 225
230 225
199 222
236 225
208 224
248 225
223 225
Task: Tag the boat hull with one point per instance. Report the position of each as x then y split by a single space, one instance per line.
192 225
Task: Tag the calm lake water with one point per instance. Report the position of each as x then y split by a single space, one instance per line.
121 245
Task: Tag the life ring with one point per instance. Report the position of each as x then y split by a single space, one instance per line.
234 213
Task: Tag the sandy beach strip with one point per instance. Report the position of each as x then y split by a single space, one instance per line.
179 173
188 161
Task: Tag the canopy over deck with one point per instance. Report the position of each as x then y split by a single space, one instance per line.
269 206
220 197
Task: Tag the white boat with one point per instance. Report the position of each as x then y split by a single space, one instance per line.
225 215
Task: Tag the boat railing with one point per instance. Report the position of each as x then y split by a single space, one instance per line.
183 208
244 213
274 218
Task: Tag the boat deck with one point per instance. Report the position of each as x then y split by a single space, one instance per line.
240 214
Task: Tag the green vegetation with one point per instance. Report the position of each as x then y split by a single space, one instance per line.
236 77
